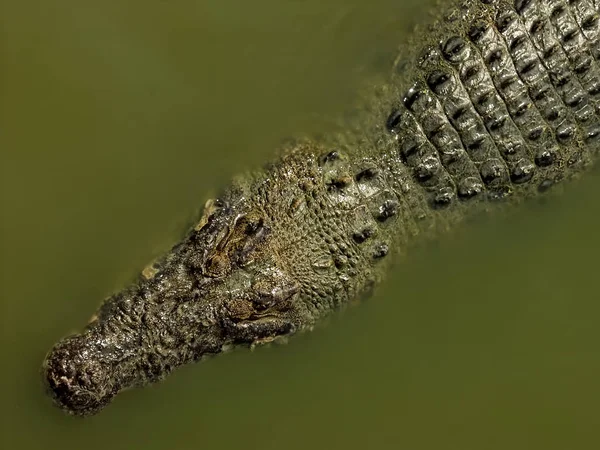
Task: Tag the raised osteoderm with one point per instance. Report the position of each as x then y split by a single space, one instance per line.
498 101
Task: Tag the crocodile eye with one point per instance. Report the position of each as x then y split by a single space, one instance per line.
217 266
250 225
254 225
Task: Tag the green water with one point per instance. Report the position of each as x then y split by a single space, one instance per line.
118 119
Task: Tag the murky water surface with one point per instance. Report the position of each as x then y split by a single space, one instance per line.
120 118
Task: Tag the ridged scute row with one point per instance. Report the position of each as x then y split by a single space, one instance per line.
505 100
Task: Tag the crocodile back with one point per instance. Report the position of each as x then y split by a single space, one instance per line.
504 100
499 102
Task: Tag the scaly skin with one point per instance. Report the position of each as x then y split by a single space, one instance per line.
501 101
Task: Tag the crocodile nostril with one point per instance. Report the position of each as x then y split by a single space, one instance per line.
78 382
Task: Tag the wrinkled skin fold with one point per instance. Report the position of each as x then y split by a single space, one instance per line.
496 103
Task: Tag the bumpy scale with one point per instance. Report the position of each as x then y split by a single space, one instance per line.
502 103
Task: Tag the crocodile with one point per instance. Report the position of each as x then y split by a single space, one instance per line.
493 103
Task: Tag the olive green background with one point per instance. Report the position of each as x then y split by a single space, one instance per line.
118 120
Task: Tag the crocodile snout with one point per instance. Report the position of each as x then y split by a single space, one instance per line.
79 382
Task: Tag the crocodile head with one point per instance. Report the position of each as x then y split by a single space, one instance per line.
223 285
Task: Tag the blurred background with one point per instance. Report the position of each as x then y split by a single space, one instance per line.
120 118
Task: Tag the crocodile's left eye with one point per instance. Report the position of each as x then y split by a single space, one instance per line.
218 266
249 234
251 224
